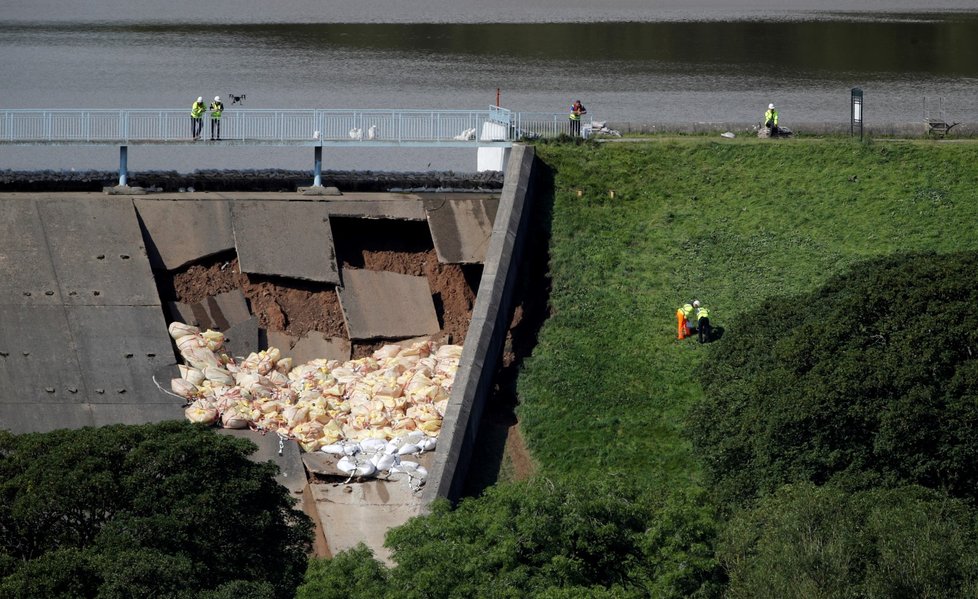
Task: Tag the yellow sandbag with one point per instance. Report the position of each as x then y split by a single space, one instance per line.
200 414
214 339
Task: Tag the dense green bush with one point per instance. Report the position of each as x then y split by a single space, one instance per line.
870 380
806 541
168 510
542 538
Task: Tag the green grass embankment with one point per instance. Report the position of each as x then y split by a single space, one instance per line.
607 387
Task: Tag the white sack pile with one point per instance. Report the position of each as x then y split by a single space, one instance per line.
396 392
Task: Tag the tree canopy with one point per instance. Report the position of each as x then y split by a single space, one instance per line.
543 539
871 380
807 541
168 510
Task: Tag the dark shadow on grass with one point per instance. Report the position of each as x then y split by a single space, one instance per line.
531 303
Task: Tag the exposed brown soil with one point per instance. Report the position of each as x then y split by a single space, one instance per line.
292 306
519 455
297 307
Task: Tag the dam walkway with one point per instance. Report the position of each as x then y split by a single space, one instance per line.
492 127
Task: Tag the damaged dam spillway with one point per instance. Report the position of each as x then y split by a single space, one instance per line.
86 292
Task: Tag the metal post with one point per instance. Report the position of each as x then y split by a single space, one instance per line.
856 112
123 165
317 180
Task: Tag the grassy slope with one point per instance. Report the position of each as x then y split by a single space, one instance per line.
729 223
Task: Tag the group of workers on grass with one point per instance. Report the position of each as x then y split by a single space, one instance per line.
687 315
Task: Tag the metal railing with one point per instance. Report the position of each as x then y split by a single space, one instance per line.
532 125
287 127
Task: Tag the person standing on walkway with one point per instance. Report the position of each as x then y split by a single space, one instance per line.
577 109
771 119
216 109
703 322
197 118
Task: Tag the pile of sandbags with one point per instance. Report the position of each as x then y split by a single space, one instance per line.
374 457
395 392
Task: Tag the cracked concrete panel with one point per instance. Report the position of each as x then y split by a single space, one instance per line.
284 454
219 312
119 350
26 273
242 339
285 239
311 346
394 206
38 362
386 305
461 228
182 231
97 250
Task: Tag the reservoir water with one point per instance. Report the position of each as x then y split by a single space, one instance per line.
672 61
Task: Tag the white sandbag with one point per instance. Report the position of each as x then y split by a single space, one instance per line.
385 462
179 329
408 448
342 448
428 443
412 469
373 445
183 388
349 465
414 437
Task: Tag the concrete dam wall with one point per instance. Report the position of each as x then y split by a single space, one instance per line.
83 312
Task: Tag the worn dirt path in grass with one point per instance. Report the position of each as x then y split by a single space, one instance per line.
519 455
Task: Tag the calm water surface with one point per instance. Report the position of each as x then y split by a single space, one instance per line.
667 61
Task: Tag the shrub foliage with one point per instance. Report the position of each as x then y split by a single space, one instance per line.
539 539
871 380
166 510
807 541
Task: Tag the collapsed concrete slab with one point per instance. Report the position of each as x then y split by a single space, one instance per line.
311 346
386 305
182 231
219 312
281 452
461 227
242 339
285 239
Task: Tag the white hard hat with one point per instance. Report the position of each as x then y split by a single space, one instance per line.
200 98
217 98
696 303
770 106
